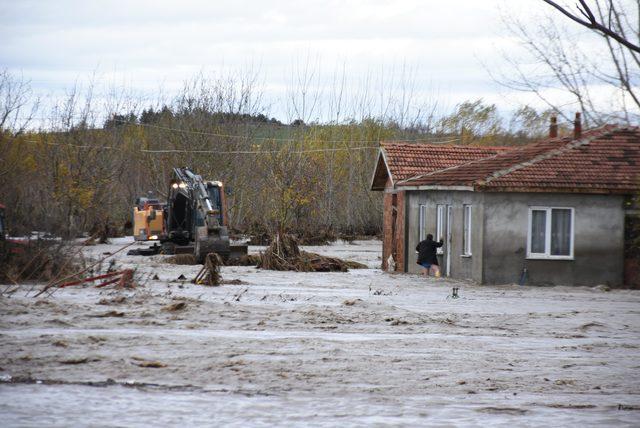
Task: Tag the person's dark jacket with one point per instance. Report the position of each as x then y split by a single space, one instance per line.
427 251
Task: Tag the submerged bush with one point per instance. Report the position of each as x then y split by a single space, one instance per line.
37 260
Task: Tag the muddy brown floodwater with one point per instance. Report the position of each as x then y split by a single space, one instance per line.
320 349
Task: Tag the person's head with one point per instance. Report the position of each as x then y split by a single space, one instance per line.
429 237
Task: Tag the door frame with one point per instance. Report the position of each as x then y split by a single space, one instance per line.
447 250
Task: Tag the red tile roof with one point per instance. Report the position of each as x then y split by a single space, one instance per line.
405 160
603 160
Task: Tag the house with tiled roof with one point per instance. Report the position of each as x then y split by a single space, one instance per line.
552 212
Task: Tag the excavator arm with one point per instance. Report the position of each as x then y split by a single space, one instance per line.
194 219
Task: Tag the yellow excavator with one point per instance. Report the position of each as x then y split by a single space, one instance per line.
196 218
193 221
148 219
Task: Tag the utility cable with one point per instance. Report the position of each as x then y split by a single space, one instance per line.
335 149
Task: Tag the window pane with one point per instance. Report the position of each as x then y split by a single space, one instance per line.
440 223
440 219
560 232
423 222
466 233
538 228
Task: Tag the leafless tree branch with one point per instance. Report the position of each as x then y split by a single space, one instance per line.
593 24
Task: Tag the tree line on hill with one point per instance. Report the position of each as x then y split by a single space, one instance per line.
77 173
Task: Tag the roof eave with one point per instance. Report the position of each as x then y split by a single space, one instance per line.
533 189
439 187
521 189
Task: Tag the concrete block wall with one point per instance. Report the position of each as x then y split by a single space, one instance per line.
499 237
598 240
461 266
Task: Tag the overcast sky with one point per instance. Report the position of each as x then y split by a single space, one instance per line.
152 46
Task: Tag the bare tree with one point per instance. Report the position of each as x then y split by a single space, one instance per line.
305 91
17 103
584 65
607 26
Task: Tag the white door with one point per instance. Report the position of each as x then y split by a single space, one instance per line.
447 249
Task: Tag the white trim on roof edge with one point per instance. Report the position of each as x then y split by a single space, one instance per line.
386 165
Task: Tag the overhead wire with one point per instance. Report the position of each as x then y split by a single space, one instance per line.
245 137
429 139
78 146
221 152
248 137
251 152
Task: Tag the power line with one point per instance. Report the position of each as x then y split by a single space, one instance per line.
79 146
210 134
213 134
429 139
84 146
232 152
257 152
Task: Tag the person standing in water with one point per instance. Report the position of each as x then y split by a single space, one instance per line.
427 257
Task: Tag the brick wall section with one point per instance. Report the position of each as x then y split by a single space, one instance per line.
386 229
400 233
389 241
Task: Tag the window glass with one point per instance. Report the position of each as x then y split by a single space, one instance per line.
538 231
423 222
440 223
560 232
440 219
214 197
466 233
199 219
216 200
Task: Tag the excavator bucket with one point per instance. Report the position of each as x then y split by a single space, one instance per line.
238 250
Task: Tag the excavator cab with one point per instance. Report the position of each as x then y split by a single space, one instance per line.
196 218
180 216
215 189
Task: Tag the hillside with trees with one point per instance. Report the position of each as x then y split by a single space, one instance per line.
75 174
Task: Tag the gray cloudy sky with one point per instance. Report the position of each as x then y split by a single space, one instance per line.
146 45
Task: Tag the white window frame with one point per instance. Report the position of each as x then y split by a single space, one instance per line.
466 234
422 214
547 244
441 213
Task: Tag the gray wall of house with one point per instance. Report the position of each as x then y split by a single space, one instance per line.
461 266
598 240
499 237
